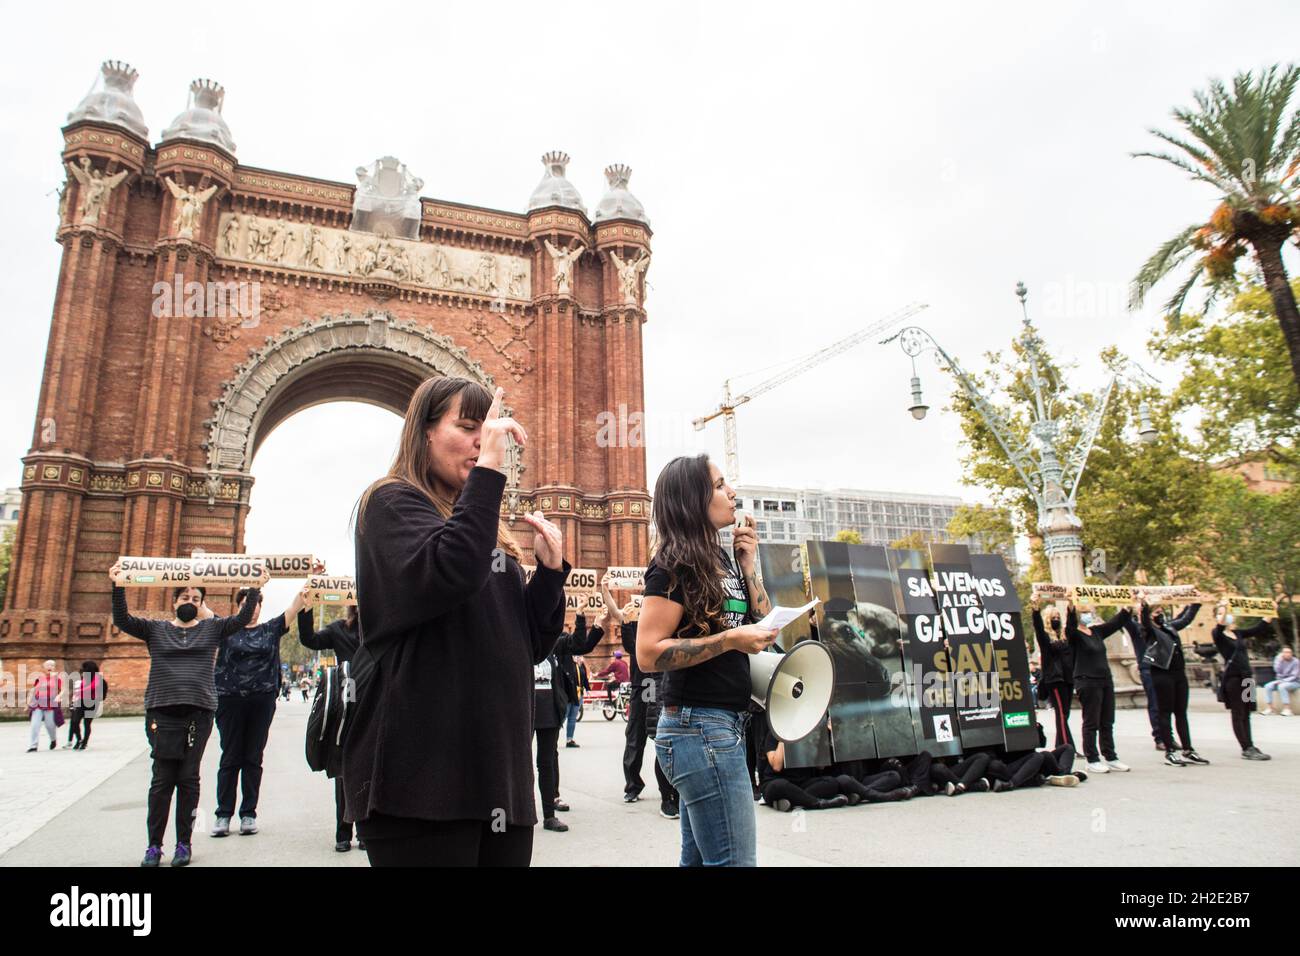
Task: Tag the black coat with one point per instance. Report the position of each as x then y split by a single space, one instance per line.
1057 656
1163 639
564 680
444 729
335 636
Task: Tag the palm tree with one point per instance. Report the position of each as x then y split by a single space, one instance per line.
1241 143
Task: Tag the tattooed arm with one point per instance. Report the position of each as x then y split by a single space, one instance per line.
657 650
758 599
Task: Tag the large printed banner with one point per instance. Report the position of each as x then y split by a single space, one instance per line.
331 590
1011 653
279 565
1252 606
205 572
925 657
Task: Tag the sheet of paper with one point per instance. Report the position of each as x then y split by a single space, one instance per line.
779 617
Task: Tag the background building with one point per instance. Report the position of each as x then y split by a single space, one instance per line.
9 508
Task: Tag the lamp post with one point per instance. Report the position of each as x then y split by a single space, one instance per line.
1053 482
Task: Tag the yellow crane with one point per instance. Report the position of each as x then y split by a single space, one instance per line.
729 405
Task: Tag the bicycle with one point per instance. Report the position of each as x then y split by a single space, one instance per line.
619 705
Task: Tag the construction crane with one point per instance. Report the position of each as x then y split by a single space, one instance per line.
729 405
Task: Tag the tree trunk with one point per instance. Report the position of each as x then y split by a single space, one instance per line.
1268 253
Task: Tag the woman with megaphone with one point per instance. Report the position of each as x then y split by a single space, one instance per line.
695 629
438 763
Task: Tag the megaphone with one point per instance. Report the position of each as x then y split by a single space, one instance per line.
794 687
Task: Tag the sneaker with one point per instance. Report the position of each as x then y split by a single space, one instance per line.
31 750
1096 766
980 786
53 744
1267 711
361 844
631 797
343 846
221 827
561 806
1063 780
1174 759
1159 745
832 803
909 792
247 826
1191 756
668 810
1001 786
182 855
954 789
570 743
782 806
1286 712
551 823
152 856
1254 753
1080 776
1118 766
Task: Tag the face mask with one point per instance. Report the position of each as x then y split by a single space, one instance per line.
1087 618
1229 618
187 612
1054 623
1158 618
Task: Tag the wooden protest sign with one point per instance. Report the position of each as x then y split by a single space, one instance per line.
628 579
1113 594
1252 606
1171 592
323 589
278 565
206 572
1055 592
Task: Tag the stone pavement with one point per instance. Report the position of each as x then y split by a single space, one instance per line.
88 808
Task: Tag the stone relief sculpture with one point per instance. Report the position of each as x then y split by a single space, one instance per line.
95 189
629 274
563 260
320 249
189 206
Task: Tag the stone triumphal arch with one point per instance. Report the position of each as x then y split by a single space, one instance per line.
200 302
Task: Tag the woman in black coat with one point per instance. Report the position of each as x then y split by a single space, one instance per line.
554 686
1094 684
1169 676
438 763
1237 687
1056 685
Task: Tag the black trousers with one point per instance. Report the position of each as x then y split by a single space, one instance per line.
1097 698
1021 772
1240 703
548 768
1059 696
635 733
75 715
243 724
342 829
1171 698
809 793
966 771
918 773
1059 761
181 776
455 843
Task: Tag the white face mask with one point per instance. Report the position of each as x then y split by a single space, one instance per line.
1229 618
1087 618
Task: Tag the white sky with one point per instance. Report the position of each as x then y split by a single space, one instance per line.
806 169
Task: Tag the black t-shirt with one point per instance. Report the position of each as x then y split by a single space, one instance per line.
721 681
796 775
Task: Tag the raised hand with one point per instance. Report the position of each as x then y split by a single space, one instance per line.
114 571
548 543
493 439
745 543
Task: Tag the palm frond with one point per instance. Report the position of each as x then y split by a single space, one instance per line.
1171 254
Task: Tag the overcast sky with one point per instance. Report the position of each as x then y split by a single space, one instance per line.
806 169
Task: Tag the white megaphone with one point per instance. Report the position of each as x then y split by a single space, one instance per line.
794 687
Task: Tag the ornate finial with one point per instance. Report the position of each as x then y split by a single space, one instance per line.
618 175
119 75
208 94
1022 294
556 161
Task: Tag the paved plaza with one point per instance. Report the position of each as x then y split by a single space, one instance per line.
78 808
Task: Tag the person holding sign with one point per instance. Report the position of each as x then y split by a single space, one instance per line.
438 763
1094 684
180 701
1237 688
1057 656
694 628
1169 676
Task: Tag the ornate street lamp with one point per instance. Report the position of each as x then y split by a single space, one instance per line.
1053 483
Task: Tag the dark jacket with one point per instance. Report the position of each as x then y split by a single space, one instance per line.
1090 662
1163 640
248 661
334 636
444 728
1235 650
564 680
1057 656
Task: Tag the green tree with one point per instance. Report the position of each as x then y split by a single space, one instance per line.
1241 143
1237 377
6 560
989 529
848 535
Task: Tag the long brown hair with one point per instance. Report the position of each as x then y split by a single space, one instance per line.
413 464
687 545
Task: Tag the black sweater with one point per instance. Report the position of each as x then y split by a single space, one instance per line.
564 676
1235 650
1090 649
444 728
1057 655
182 660
334 636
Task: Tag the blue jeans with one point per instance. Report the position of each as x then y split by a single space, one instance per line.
702 753
1282 687
571 720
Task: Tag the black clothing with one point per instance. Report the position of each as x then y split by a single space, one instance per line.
964 771
335 636
181 659
443 730
1171 697
1238 679
248 661
1055 652
1060 696
342 829
180 775
721 681
1090 649
1097 700
243 723
1025 770
796 775
454 843
563 688
1162 638
548 767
